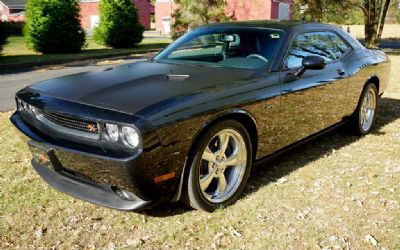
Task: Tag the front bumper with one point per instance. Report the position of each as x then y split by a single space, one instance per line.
99 194
88 176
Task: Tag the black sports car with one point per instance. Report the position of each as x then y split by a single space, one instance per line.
189 123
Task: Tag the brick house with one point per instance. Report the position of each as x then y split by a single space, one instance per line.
236 9
13 10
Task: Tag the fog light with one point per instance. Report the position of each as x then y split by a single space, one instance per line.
126 195
131 136
112 132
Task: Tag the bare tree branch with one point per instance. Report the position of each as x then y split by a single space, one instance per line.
357 4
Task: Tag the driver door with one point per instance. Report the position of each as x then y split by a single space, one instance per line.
314 100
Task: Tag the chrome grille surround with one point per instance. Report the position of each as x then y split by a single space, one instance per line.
68 125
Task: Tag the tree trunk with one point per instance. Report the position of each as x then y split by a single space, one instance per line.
371 23
382 21
374 16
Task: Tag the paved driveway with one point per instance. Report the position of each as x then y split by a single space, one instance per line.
11 83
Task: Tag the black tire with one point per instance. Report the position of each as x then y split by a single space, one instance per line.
356 122
193 195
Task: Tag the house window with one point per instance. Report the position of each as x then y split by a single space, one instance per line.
94 21
166 21
284 11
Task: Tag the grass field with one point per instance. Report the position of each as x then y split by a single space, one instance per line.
16 50
390 31
338 192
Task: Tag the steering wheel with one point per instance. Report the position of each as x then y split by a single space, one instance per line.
258 57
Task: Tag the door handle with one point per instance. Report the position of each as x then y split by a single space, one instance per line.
341 72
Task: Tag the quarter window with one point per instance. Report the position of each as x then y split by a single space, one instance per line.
327 45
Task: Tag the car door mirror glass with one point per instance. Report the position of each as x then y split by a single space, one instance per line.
228 38
311 63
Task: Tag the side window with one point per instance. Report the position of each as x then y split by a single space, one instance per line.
341 46
323 44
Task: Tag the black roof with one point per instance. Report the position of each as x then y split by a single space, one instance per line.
14 4
274 24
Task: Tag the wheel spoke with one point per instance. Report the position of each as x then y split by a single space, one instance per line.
232 160
206 180
221 183
224 140
364 118
365 104
208 155
371 104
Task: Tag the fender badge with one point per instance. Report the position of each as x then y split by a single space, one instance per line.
92 128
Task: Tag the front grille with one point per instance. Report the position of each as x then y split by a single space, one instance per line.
69 125
72 123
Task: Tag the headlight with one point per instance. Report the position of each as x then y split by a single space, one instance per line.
20 105
126 135
25 106
131 136
112 132
33 110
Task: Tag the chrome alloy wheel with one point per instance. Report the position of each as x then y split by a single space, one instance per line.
223 166
368 108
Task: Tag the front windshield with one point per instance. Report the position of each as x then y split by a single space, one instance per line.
231 47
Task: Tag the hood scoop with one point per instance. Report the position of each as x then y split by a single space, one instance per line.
177 77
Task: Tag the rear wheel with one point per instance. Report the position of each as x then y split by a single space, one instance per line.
364 117
219 166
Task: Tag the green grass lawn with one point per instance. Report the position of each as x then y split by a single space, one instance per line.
16 50
337 192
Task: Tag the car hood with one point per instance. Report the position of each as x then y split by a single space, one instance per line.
140 87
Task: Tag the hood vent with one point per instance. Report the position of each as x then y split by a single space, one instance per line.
177 77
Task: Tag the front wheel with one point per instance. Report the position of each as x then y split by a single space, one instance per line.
364 117
219 166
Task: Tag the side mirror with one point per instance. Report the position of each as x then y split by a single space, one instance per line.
228 38
311 62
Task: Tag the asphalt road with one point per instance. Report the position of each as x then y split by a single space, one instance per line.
11 83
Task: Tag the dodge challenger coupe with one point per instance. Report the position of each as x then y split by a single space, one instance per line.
189 123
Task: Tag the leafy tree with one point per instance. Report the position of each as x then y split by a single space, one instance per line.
327 11
3 35
394 11
53 26
312 10
119 24
192 14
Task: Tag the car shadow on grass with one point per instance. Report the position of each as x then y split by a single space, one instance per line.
271 170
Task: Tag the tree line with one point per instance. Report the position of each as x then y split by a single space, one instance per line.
191 14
